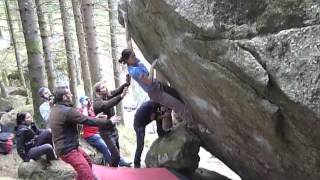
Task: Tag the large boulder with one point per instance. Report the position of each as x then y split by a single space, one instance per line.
39 170
204 174
249 70
177 150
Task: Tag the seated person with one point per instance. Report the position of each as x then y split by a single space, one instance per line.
91 133
146 113
32 142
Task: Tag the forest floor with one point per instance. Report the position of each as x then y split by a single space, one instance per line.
9 163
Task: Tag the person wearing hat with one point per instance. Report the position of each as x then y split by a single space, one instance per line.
157 92
47 102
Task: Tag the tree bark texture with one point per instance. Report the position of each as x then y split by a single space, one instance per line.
69 49
112 5
14 43
46 44
82 49
35 59
91 36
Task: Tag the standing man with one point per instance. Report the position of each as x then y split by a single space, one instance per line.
47 102
64 120
105 103
146 113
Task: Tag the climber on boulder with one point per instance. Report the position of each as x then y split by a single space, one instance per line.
157 91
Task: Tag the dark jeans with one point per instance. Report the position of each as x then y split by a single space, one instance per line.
43 145
97 142
81 162
140 133
112 146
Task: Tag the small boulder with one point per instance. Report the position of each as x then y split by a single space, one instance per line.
38 170
5 105
9 119
19 91
12 102
95 155
177 150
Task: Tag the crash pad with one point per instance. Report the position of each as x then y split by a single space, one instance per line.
110 173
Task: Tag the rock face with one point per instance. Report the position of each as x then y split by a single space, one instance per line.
177 150
204 174
37 170
250 71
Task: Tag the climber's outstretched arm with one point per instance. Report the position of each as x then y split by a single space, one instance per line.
149 79
151 72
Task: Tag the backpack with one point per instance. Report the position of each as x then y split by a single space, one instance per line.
6 141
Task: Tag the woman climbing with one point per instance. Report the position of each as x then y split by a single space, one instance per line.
32 142
157 91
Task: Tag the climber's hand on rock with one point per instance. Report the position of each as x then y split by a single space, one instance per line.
155 62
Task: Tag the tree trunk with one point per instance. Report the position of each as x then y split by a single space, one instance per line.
46 44
123 9
82 49
113 26
69 49
4 75
78 71
14 43
33 45
6 11
92 47
17 15
4 93
51 25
